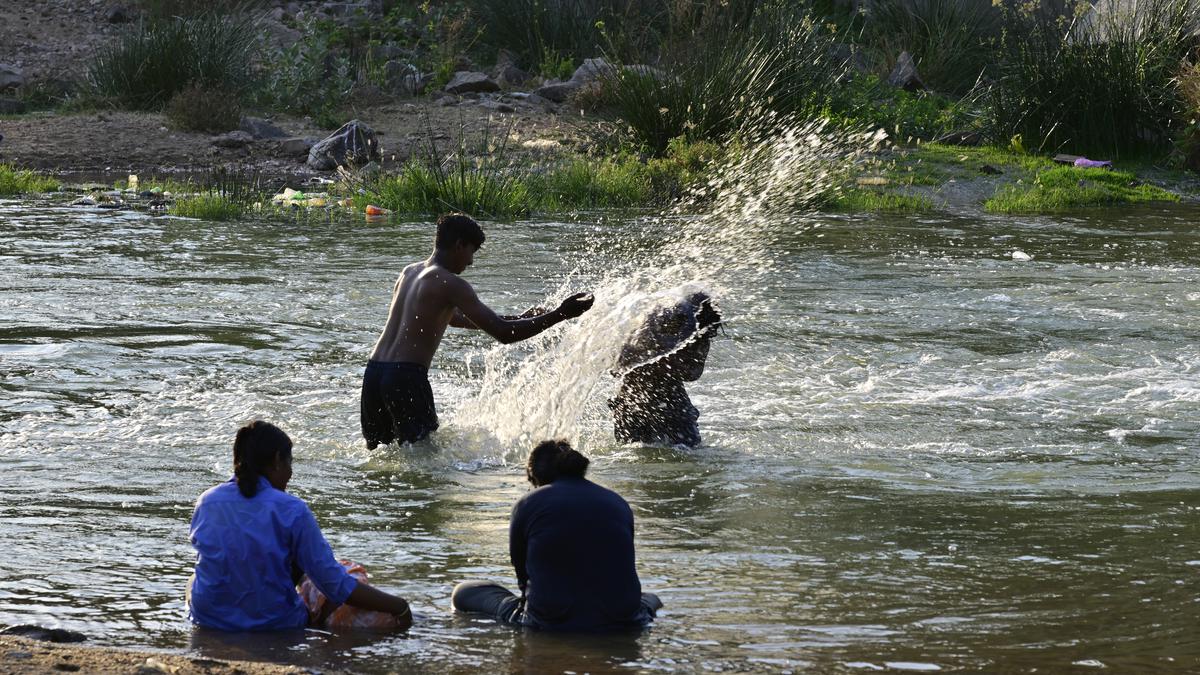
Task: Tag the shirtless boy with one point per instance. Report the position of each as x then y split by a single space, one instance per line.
397 402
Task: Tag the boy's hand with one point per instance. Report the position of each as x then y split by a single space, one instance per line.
576 304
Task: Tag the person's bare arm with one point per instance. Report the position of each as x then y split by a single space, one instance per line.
508 331
460 320
365 596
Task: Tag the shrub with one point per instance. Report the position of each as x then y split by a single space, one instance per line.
778 62
1066 187
1102 85
199 109
14 181
951 40
307 78
158 59
904 115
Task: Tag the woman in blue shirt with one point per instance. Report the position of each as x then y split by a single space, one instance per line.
254 541
571 545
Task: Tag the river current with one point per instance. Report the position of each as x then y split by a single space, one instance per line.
919 452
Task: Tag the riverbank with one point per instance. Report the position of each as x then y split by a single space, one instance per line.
21 656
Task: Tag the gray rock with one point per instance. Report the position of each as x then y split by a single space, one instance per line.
295 147
462 62
497 106
260 128
905 75
118 14
354 144
402 78
592 70
10 77
44 634
508 75
11 106
556 91
464 82
233 139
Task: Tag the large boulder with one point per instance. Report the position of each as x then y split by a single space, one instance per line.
10 77
354 144
905 75
592 70
557 91
261 129
465 82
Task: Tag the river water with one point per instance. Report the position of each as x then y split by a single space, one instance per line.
920 454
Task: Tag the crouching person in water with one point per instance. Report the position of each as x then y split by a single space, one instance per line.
652 405
255 543
571 543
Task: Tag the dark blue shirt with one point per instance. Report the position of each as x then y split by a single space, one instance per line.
571 543
246 550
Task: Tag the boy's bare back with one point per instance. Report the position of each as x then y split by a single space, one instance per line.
422 307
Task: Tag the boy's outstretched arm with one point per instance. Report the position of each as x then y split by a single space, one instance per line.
508 331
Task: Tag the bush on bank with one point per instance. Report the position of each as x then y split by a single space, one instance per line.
14 181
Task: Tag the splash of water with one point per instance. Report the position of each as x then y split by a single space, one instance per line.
721 239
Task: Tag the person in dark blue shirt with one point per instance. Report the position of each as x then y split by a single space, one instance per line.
571 544
254 542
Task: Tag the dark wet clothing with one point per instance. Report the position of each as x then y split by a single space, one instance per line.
397 403
571 544
663 414
496 601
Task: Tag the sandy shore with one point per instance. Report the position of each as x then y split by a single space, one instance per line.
21 656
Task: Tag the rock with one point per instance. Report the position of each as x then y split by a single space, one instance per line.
11 106
905 75
260 128
282 36
353 144
508 75
465 81
10 77
233 139
44 634
497 106
556 91
401 78
118 14
462 62
295 147
592 70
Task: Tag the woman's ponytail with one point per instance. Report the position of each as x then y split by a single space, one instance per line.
255 448
552 460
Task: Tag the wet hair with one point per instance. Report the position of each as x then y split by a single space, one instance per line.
255 449
552 460
455 227
705 311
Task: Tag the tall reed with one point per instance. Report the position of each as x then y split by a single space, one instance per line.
1092 81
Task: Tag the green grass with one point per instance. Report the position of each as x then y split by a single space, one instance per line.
14 181
213 206
1063 188
857 200
974 158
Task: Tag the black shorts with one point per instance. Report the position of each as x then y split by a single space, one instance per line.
397 403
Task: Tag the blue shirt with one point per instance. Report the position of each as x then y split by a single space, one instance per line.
571 544
246 550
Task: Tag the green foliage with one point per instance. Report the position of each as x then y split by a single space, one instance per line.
556 66
1066 187
418 188
211 206
857 200
144 68
308 78
199 109
951 40
906 116
778 62
14 181
1102 85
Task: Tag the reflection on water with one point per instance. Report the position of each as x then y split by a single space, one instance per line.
920 453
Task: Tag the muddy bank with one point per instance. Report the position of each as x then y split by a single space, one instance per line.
20 656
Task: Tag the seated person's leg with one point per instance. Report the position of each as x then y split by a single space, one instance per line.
483 597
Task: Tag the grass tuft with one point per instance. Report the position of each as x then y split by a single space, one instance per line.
858 200
212 206
14 181
1062 188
